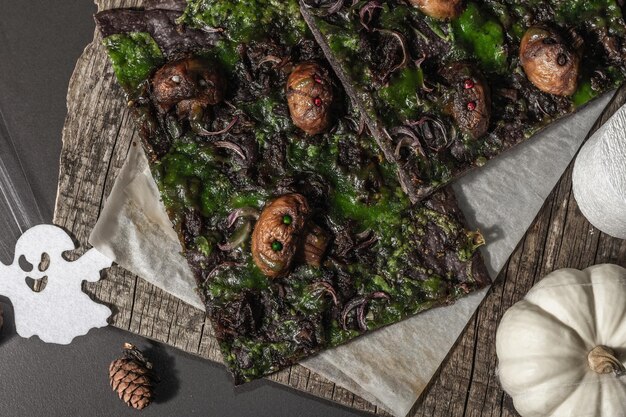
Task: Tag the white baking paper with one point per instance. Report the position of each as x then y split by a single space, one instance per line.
134 231
392 366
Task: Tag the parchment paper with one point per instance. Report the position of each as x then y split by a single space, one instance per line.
392 366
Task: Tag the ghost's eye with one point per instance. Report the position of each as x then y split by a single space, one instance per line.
24 264
45 262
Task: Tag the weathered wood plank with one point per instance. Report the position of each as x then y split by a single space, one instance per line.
97 135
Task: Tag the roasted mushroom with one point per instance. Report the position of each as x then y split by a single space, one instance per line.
189 86
470 104
439 9
549 62
284 233
310 96
314 245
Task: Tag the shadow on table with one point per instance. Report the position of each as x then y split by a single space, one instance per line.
8 328
165 369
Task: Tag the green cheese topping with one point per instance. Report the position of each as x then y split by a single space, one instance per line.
598 13
401 93
484 36
584 94
134 56
244 21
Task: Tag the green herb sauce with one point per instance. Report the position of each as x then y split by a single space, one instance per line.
483 36
134 57
244 21
400 94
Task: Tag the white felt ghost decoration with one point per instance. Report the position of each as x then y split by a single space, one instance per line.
61 311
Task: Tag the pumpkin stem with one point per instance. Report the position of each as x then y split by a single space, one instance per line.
602 360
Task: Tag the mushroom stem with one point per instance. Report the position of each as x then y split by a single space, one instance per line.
314 245
602 360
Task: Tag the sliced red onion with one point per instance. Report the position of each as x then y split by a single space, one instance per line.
439 124
405 54
360 316
226 144
362 309
366 238
351 305
226 264
271 58
336 7
203 132
401 144
240 236
409 138
378 295
367 13
323 286
366 244
246 212
418 64
361 304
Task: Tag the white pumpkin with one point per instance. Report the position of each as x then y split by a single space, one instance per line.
561 350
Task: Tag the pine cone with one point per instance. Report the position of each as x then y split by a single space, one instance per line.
132 378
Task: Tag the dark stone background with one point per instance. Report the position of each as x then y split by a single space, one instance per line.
40 41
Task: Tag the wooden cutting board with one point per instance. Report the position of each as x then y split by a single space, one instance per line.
97 135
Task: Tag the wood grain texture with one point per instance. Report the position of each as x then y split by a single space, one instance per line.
97 135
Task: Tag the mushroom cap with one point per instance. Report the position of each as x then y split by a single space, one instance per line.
439 9
272 228
187 79
549 62
310 96
471 102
